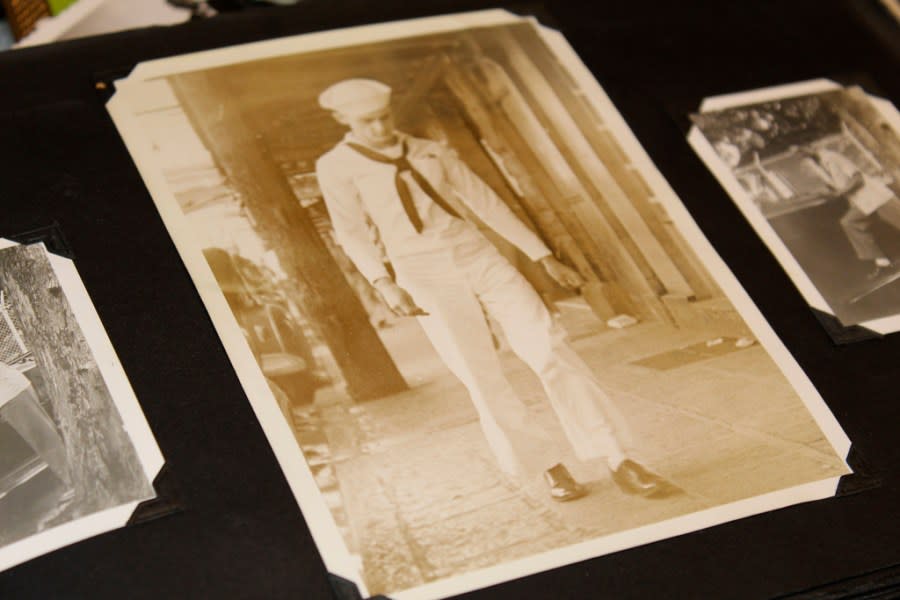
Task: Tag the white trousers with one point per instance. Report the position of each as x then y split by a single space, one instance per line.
858 228
456 286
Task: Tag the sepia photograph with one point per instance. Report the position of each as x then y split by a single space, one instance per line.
66 454
483 336
821 170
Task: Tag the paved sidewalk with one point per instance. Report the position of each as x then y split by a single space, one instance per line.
419 498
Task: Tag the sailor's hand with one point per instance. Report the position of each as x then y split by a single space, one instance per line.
397 299
563 275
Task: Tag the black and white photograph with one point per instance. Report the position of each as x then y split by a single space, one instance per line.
483 336
71 465
821 169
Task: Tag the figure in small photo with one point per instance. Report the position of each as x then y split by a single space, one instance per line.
869 197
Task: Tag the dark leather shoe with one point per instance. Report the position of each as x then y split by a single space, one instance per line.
563 487
633 478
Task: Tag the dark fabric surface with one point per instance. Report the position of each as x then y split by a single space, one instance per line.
241 534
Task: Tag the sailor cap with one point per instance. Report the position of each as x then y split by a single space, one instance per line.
355 97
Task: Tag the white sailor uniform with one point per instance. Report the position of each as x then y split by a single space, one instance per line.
455 274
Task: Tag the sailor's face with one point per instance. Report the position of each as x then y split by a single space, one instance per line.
374 129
